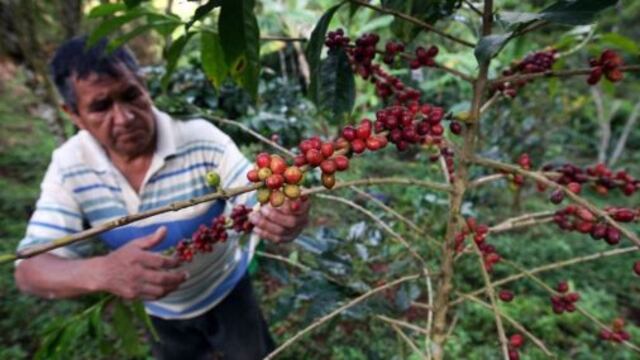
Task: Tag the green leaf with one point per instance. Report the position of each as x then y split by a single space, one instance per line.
172 56
620 42
106 9
212 57
141 313
240 40
314 48
120 40
203 10
164 24
490 45
111 25
125 328
336 85
133 3
578 12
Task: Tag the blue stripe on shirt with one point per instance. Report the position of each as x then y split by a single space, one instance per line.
176 230
95 186
53 226
191 184
105 213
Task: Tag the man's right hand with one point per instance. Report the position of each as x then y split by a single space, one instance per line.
134 272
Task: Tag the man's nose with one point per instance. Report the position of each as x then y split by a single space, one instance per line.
122 115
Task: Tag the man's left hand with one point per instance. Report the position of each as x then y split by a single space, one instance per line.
280 224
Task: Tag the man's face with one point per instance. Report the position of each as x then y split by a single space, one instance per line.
117 111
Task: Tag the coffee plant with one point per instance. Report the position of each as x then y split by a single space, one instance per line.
409 120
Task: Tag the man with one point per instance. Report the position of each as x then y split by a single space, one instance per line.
129 157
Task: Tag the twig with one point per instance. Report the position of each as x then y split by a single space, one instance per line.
296 265
414 20
407 340
200 114
486 179
402 323
522 220
472 7
515 324
381 223
622 141
561 73
490 102
337 311
377 181
577 199
492 297
552 266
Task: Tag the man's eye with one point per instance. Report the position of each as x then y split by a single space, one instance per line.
131 94
100 106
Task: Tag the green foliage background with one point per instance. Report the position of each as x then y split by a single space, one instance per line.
554 121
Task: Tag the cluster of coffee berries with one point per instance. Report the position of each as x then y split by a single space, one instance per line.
336 39
608 64
391 49
447 154
506 295
565 300
281 181
617 334
576 218
364 51
515 343
424 57
411 125
317 153
203 239
537 62
517 180
603 179
479 232
387 85
240 217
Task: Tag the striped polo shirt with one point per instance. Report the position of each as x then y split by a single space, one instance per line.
82 188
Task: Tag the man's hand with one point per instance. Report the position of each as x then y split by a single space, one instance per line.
280 224
134 272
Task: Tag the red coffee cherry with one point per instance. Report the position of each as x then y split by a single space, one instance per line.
293 175
342 162
278 165
506 295
636 267
263 160
252 175
516 340
326 149
274 181
349 133
328 166
574 187
455 127
358 146
314 157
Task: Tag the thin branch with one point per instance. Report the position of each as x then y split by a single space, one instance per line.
622 141
486 179
402 323
200 114
472 7
377 181
552 266
561 74
407 340
337 311
492 297
381 223
296 265
415 21
522 221
89 233
577 199
490 102
515 324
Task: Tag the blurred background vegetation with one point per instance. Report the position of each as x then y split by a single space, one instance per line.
555 121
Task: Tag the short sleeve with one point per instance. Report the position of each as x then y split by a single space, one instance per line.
57 214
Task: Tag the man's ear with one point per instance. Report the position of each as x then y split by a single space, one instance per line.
73 115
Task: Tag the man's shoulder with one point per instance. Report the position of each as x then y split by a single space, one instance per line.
198 130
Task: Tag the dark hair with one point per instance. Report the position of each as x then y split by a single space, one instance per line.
73 58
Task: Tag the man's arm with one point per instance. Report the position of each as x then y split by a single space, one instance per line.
131 272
